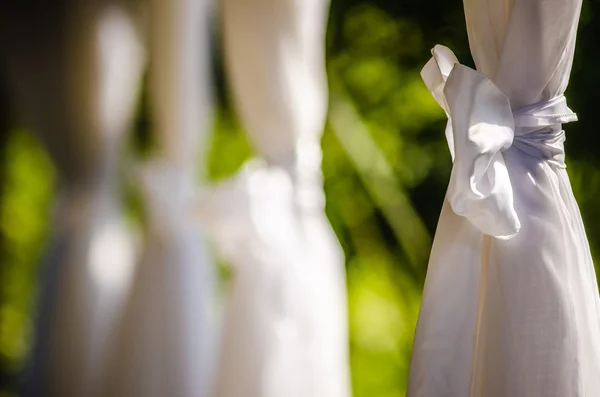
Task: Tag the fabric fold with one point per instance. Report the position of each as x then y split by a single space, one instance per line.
514 317
285 331
482 125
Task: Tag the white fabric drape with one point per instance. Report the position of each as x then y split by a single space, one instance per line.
166 341
285 331
510 306
75 71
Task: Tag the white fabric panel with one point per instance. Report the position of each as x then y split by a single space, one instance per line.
166 340
286 327
76 72
511 305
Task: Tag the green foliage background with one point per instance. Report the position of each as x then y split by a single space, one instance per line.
386 167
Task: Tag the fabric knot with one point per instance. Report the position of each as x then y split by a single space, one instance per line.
252 220
169 196
481 126
251 216
538 130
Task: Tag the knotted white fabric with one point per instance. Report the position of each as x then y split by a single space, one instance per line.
166 340
510 306
257 230
481 126
286 329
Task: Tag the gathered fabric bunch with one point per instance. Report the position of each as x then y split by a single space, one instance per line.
511 304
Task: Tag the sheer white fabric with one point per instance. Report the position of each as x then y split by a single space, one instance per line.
76 74
510 306
285 331
165 344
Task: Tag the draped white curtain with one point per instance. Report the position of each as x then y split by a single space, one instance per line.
166 342
511 305
75 73
285 332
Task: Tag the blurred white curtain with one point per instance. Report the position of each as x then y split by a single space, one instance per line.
286 328
511 304
75 69
165 343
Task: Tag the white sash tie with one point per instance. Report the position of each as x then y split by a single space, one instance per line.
481 125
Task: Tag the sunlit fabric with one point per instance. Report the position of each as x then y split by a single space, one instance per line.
510 306
81 117
286 329
166 341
